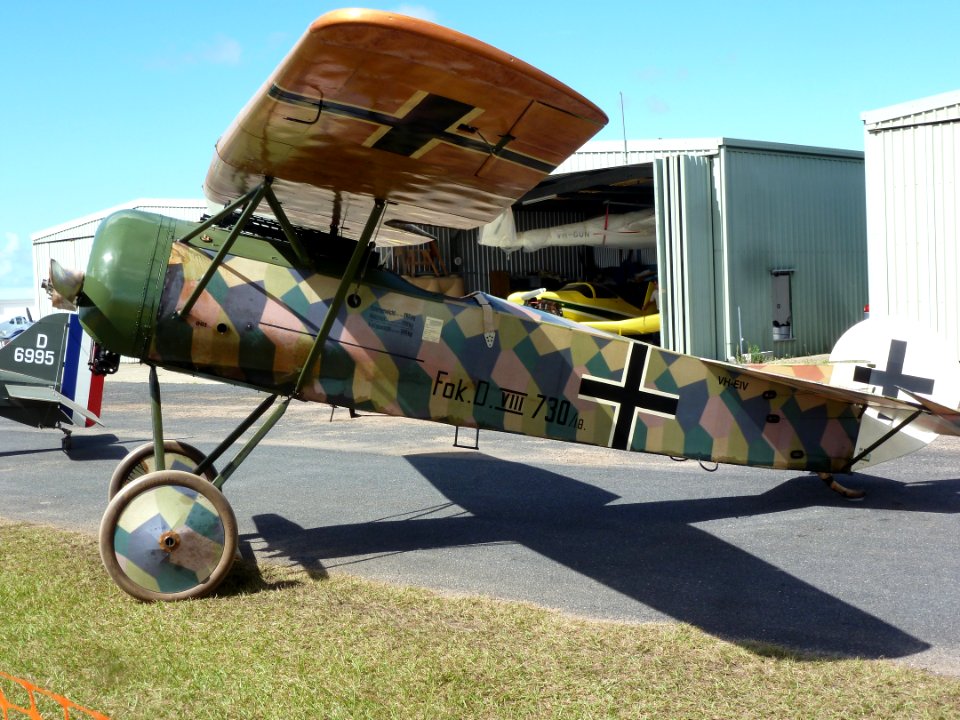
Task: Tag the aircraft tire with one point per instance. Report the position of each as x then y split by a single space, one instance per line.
140 461
169 535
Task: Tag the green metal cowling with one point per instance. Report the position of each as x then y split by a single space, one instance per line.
124 279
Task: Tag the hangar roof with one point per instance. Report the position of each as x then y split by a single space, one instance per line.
187 208
617 176
933 109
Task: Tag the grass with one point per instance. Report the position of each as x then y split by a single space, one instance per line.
276 643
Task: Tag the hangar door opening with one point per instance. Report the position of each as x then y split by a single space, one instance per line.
687 256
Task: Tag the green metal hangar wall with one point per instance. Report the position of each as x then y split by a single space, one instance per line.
913 195
758 245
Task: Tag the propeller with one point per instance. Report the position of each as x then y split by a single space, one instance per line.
63 286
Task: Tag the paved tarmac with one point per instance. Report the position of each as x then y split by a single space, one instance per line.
751 555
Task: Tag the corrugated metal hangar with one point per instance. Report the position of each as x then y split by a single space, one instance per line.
913 194
758 245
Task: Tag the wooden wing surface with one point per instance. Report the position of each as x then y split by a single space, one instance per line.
369 104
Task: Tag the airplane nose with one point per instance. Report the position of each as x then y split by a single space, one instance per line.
63 286
122 286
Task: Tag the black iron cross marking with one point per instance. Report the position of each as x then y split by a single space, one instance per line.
629 397
429 120
893 378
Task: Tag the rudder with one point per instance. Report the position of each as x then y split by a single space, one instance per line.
78 382
894 358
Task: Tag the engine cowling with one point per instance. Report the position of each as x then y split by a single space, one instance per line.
121 290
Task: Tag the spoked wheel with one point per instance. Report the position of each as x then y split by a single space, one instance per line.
168 535
140 461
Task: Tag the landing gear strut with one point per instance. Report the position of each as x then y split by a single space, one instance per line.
168 532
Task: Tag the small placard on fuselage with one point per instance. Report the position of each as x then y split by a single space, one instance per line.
432 329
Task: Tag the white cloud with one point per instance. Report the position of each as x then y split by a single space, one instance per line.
656 105
11 241
417 11
16 261
219 50
8 251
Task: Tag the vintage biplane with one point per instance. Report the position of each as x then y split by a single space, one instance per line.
374 125
46 378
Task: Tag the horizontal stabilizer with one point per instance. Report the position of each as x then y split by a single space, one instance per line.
889 427
943 420
832 392
39 393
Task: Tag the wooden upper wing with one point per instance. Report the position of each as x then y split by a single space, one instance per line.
374 105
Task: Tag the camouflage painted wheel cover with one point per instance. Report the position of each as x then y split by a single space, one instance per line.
184 517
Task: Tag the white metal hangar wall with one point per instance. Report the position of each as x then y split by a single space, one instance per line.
69 243
760 245
913 192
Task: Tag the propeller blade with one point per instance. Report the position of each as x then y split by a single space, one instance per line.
63 286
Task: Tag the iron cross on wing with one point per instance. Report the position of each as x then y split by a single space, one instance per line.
629 397
422 121
427 119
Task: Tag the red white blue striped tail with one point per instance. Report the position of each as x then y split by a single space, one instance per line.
77 381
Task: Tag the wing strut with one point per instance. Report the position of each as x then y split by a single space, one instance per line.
249 202
886 436
366 238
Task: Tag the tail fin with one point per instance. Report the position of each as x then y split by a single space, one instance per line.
895 358
37 352
48 362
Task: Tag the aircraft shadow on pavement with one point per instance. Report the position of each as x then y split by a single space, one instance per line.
650 552
103 446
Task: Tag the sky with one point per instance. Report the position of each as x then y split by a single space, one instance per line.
106 102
